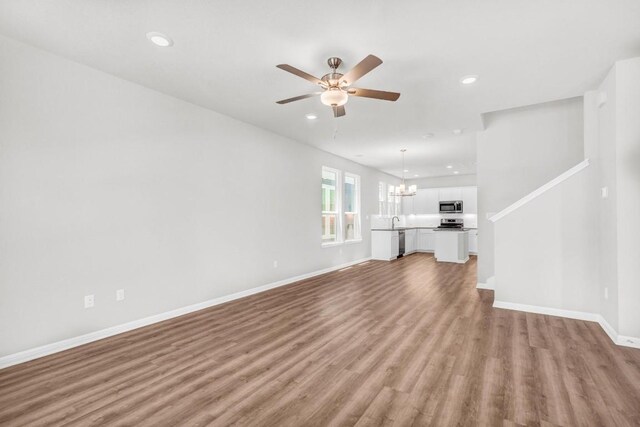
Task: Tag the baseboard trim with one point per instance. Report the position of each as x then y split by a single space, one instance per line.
489 284
608 329
56 347
570 314
628 341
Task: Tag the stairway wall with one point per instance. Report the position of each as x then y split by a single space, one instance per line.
551 263
573 250
519 150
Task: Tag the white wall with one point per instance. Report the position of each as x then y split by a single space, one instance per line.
444 181
520 150
572 249
600 133
628 194
546 253
105 185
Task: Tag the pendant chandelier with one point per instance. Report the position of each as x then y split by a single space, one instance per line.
402 190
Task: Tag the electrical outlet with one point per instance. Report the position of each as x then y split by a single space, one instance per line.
275 264
120 295
606 293
88 301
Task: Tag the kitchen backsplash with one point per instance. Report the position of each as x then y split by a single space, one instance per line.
470 220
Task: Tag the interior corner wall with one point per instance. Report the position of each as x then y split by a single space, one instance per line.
603 159
107 185
520 150
627 157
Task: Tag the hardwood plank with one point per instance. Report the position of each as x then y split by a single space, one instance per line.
408 342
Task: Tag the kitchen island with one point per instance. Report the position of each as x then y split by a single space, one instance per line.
452 245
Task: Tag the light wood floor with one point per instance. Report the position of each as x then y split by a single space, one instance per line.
409 342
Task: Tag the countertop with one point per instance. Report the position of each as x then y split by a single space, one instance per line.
423 228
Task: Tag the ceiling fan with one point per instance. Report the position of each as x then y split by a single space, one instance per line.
336 87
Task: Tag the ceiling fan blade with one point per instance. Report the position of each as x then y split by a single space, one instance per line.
375 94
298 98
366 65
300 73
338 111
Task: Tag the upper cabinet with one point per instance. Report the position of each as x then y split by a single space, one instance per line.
432 200
470 200
427 200
449 194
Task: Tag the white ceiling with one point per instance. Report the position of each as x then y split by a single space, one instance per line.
225 53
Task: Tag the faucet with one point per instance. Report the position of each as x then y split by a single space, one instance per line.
393 224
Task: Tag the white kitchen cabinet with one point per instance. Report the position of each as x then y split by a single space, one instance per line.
452 246
473 241
450 194
432 201
426 201
470 200
385 245
426 240
420 202
410 243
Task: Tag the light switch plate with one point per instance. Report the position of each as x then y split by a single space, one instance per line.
88 301
120 295
605 192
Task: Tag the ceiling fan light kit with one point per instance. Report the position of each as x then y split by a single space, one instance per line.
336 87
334 97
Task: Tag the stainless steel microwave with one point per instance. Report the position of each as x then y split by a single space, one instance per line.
454 206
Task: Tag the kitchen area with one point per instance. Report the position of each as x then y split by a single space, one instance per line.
442 221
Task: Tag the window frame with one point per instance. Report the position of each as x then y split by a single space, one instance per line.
389 204
338 207
357 212
382 198
393 201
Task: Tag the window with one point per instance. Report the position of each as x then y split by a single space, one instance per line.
393 201
351 207
330 205
388 203
382 198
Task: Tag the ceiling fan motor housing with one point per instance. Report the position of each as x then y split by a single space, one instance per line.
334 62
332 79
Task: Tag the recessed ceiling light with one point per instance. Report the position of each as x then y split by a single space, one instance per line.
416 175
456 172
457 131
406 170
159 39
428 135
469 80
449 166
311 116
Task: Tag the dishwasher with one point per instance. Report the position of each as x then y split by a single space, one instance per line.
401 243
